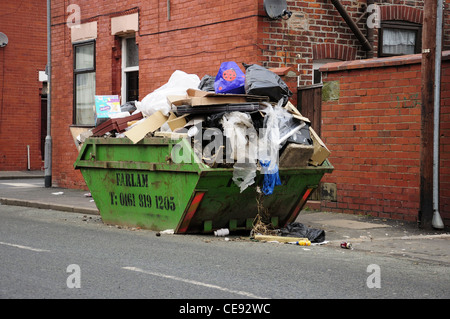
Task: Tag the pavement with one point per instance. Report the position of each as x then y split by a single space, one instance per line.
372 235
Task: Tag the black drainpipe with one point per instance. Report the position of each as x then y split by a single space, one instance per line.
365 43
370 32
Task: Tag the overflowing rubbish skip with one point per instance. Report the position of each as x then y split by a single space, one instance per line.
192 159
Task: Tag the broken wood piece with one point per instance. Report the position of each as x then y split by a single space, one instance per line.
290 107
296 113
149 125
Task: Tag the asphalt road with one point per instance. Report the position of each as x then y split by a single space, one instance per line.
49 254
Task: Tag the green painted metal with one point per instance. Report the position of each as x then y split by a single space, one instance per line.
141 185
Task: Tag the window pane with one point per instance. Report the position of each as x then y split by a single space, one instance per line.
85 98
84 57
132 86
132 53
397 41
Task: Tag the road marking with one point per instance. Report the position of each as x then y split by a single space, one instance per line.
194 282
24 247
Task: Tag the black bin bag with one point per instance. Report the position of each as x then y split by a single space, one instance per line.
299 230
261 81
207 83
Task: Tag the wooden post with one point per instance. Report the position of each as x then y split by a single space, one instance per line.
427 115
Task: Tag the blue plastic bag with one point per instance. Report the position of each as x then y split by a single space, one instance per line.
271 177
230 79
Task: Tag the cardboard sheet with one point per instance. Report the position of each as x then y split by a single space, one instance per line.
321 152
149 125
203 98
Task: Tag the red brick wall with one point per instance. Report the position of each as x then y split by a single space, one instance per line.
285 44
373 132
24 23
325 34
198 38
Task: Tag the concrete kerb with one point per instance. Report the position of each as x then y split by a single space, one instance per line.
53 206
21 175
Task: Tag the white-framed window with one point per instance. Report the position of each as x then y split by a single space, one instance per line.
84 83
130 70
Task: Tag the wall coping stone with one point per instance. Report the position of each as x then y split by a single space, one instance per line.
377 62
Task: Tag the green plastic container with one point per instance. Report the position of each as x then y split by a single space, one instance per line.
141 185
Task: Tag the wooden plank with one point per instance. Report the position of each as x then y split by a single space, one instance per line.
281 239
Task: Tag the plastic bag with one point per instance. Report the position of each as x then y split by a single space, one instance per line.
299 230
271 178
129 107
178 84
261 81
230 79
207 83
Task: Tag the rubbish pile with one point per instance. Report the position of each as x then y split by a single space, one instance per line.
240 120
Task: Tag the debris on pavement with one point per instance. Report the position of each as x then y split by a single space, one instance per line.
346 245
298 229
283 239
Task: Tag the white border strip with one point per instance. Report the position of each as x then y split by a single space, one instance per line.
194 282
24 247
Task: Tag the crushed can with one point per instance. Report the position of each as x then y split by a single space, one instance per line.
346 245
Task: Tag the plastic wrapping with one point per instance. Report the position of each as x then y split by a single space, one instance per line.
279 126
268 150
238 127
178 84
239 130
244 175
